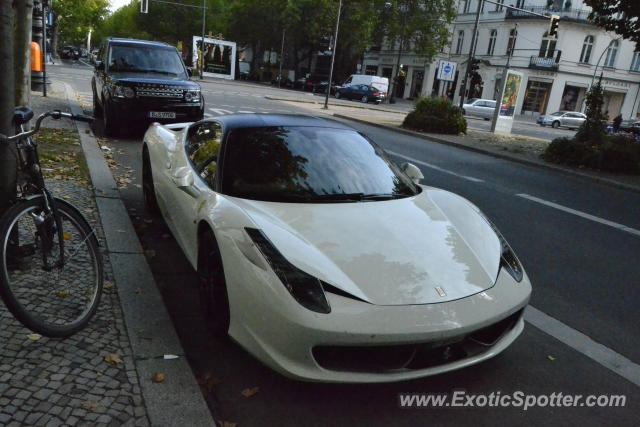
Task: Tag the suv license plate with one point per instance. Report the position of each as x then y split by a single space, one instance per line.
162 115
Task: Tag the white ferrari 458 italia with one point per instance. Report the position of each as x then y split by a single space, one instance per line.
326 260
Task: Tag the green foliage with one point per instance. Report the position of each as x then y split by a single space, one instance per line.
75 17
613 154
593 129
436 115
621 16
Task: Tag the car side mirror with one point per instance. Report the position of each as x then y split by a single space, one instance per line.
99 65
412 171
183 179
190 71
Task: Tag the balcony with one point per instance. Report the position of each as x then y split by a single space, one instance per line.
571 15
540 63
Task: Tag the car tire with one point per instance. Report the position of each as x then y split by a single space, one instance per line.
97 109
148 190
338 95
555 124
212 288
107 120
364 99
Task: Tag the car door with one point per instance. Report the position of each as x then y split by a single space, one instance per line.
197 159
475 109
489 108
99 73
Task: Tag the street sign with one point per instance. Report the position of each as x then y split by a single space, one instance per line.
447 71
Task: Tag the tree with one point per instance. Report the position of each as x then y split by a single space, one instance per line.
593 129
22 51
620 16
8 154
72 19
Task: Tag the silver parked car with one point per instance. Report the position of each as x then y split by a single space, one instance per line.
569 119
480 108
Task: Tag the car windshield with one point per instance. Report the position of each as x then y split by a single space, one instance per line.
309 165
144 59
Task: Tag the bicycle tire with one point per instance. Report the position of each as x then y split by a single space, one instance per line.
55 302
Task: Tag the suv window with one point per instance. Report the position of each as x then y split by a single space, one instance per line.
145 59
203 147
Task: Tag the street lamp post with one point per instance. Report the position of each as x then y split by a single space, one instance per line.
600 59
404 8
281 59
333 57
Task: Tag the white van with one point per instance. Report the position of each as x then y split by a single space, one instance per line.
380 83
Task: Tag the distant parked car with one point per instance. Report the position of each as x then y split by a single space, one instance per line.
364 93
322 87
286 82
631 126
480 108
70 52
569 119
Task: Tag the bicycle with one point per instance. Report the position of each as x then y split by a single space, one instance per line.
51 271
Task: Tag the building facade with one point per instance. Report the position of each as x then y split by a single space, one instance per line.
557 71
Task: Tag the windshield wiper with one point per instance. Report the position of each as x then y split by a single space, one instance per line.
158 72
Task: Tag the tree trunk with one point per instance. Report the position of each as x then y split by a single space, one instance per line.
7 151
22 51
55 28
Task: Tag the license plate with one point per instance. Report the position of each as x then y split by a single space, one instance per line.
162 115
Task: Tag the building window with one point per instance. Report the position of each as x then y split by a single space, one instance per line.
547 47
511 44
587 47
612 52
499 5
467 4
492 41
520 4
635 62
460 42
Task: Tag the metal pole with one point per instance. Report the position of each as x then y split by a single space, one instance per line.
44 49
281 58
395 80
496 112
600 59
472 49
204 12
333 57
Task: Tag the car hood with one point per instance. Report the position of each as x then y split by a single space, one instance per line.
152 78
430 248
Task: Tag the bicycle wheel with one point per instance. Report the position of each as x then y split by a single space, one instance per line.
50 297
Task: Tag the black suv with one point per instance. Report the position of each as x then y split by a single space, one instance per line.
143 81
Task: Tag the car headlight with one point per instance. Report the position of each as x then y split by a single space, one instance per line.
122 91
304 288
508 259
192 95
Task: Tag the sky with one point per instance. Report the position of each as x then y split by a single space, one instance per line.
116 4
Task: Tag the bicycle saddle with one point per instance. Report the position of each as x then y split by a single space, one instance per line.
22 115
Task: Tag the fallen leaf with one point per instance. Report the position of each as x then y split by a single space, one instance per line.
66 197
170 356
66 236
248 392
137 291
551 358
107 285
90 405
158 378
114 359
63 294
34 337
226 423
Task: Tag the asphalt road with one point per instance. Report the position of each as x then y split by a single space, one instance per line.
567 232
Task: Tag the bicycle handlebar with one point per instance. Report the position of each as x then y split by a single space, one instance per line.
54 114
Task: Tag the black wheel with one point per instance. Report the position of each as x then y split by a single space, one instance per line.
212 287
107 121
338 95
97 109
148 190
364 99
52 295
555 124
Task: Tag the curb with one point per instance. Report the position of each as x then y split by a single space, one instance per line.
559 169
273 98
178 400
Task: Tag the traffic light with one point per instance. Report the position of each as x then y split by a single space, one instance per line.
553 26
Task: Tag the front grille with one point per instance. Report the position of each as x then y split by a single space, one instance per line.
159 92
390 358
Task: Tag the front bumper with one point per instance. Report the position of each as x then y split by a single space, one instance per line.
298 343
137 110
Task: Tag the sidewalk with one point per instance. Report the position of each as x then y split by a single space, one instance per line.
52 382
524 150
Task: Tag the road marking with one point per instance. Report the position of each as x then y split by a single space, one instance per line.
581 214
220 111
245 111
583 344
438 168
